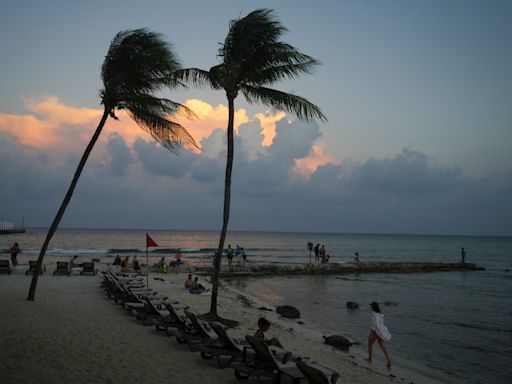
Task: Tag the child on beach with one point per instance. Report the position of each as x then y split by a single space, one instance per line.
379 333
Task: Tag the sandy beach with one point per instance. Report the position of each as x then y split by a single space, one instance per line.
73 333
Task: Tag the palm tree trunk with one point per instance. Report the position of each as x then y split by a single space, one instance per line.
63 206
227 203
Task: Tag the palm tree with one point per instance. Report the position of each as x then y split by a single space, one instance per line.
251 58
138 64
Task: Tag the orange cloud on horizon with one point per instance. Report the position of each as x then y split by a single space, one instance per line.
306 166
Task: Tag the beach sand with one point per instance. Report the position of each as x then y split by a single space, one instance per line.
72 333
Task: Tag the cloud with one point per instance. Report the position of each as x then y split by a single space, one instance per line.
289 184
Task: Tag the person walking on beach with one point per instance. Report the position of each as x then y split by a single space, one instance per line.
15 249
462 255
317 252
229 255
244 257
322 252
178 261
357 261
379 333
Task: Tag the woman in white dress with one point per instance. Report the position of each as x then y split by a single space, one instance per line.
378 332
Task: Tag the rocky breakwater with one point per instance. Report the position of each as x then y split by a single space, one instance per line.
369 267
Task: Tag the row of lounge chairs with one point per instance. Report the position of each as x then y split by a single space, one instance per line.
248 357
62 268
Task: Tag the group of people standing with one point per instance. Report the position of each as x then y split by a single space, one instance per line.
321 254
173 265
239 254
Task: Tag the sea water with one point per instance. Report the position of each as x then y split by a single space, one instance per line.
458 322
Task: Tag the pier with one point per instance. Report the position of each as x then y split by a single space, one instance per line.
7 228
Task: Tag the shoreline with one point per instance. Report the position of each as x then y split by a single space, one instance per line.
64 291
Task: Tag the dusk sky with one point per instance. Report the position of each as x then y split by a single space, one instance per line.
418 97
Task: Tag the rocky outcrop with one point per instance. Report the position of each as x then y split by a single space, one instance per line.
288 311
338 341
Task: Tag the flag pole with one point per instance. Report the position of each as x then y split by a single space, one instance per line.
147 268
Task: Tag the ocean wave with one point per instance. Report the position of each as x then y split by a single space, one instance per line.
479 327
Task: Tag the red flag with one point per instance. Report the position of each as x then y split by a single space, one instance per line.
150 242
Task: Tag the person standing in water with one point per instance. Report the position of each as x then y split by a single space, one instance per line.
15 249
462 255
379 333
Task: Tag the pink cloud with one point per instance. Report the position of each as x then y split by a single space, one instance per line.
307 166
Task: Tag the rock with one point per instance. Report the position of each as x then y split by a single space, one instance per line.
352 305
264 309
288 311
338 341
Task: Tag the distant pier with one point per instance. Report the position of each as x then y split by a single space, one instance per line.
6 228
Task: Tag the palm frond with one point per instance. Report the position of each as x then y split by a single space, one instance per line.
247 34
195 76
156 105
170 134
138 64
136 60
296 105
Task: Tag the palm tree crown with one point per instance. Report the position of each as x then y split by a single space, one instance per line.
252 58
138 64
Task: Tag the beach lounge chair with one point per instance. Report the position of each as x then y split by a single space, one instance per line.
227 349
5 267
173 320
32 267
265 364
317 373
197 332
88 267
62 268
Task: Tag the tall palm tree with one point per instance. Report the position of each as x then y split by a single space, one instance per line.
138 64
251 58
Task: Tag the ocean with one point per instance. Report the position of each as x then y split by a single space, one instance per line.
456 322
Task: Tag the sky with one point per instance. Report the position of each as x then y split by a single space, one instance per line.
418 97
